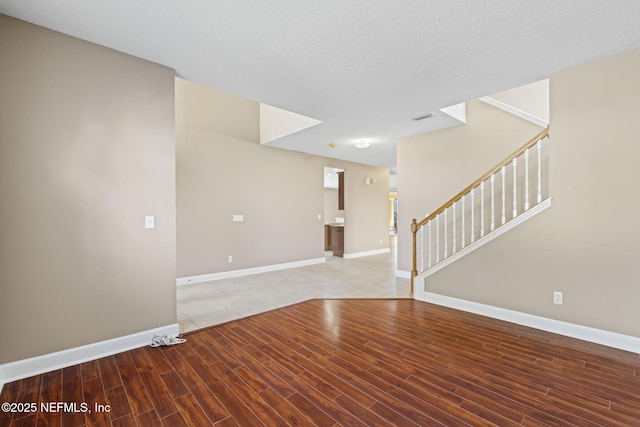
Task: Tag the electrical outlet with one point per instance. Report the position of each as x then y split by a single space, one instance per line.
557 298
230 259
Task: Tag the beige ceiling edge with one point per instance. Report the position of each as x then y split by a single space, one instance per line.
276 123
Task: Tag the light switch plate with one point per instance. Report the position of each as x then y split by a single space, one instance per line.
149 222
238 218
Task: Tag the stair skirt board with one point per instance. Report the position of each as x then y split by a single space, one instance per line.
25 368
585 333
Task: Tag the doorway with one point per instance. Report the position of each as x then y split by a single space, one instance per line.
334 214
393 219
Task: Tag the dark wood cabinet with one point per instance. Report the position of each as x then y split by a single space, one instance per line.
340 191
337 240
327 237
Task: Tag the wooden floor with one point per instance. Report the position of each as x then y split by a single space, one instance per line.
348 362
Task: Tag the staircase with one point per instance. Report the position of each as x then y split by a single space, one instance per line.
513 191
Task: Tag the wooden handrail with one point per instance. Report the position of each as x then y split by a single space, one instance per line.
415 226
543 134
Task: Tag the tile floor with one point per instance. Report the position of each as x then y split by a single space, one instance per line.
218 301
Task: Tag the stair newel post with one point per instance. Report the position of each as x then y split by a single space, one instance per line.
414 268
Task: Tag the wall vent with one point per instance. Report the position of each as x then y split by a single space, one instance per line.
422 117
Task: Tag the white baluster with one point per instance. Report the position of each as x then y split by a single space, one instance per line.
493 222
430 242
515 188
482 209
526 179
422 248
539 145
473 223
462 242
453 250
504 195
446 240
437 238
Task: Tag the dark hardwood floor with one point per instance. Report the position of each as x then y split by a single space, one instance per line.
347 362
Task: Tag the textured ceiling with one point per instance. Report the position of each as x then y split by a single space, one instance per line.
363 67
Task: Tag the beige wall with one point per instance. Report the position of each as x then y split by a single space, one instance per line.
86 151
222 172
586 245
366 214
209 111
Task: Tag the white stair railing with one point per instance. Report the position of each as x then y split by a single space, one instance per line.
471 215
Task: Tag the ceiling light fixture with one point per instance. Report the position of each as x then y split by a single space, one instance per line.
362 144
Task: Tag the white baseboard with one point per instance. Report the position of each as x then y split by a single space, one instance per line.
367 253
598 336
247 271
403 273
25 368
